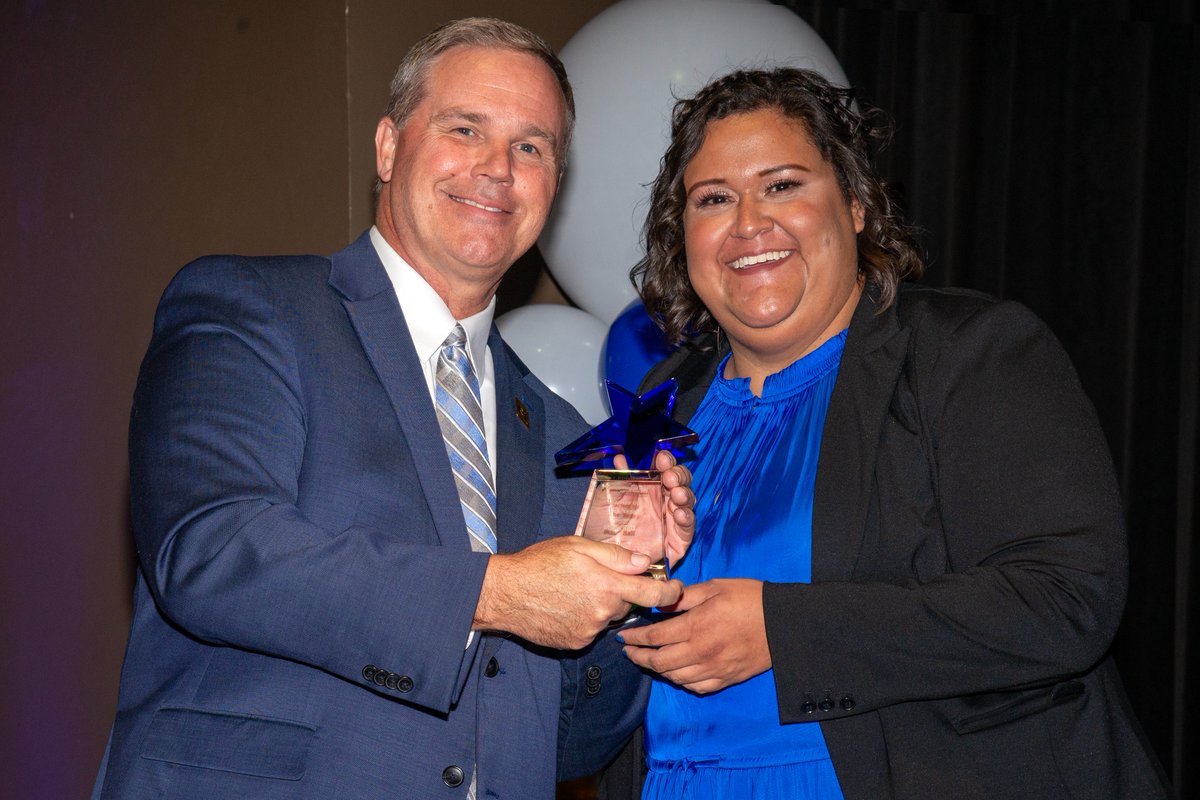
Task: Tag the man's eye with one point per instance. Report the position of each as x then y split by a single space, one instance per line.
464 131
525 147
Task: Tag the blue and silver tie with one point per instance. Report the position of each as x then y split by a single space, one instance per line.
461 417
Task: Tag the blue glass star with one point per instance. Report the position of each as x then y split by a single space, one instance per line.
640 426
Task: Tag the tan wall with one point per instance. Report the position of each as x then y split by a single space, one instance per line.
134 137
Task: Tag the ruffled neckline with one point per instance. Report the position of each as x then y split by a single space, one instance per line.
789 381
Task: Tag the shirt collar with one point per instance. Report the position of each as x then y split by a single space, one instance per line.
429 319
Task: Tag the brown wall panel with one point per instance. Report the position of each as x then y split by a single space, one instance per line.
136 136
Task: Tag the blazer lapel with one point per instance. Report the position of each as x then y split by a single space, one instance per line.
521 436
871 364
374 311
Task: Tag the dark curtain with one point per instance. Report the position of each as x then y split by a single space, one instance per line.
1051 153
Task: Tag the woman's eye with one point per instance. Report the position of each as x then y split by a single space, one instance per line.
782 186
712 199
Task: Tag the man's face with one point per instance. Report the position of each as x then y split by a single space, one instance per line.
469 177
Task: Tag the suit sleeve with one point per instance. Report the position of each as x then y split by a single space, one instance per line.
603 701
1025 530
217 460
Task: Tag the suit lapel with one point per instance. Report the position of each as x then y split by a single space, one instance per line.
374 311
871 364
521 435
521 469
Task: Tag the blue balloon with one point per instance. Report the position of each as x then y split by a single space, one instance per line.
634 344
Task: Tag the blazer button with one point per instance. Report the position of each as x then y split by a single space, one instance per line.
452 776
847 703
492 668
368 672
808 706
405 684
826 704
593 673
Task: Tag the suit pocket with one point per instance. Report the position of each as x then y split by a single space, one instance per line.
989 710
259 746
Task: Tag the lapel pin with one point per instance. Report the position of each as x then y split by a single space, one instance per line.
522 412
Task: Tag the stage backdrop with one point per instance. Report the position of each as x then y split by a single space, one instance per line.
1051 151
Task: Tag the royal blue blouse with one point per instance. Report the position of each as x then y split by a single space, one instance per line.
754 474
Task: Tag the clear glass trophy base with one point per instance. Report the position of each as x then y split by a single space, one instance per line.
628 507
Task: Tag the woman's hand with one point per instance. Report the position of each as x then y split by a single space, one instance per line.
680 517
718 641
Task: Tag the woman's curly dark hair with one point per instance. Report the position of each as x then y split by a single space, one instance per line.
846 137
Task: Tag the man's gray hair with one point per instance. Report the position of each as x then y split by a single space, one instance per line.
410 82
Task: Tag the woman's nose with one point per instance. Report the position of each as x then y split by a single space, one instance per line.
751 220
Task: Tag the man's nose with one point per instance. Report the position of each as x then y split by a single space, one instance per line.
495 162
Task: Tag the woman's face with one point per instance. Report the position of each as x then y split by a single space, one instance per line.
770 238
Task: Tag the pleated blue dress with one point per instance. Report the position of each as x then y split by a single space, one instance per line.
753 477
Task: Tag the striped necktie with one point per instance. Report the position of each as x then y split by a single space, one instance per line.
461 418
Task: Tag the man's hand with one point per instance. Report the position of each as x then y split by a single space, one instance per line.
718 641
562 592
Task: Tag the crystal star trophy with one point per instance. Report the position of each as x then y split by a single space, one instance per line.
628 507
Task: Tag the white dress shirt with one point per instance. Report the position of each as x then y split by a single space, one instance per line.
430 322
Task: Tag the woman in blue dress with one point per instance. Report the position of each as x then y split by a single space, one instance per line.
909 559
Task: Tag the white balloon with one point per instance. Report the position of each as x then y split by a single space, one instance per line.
562 346
628 65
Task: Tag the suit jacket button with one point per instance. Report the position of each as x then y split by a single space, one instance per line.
452 776
390 680
808 706
826 704
368 672
492 667
593 673
847 703
405 684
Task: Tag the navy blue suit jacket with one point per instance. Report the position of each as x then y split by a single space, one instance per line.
306 586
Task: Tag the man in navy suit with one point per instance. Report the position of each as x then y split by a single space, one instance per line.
311 618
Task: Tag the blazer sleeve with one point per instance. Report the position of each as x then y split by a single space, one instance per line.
995 560
218 463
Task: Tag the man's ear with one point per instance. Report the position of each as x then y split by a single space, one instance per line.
386 133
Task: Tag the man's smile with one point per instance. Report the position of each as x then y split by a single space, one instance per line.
476 204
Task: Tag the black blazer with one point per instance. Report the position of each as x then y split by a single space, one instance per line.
969 566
